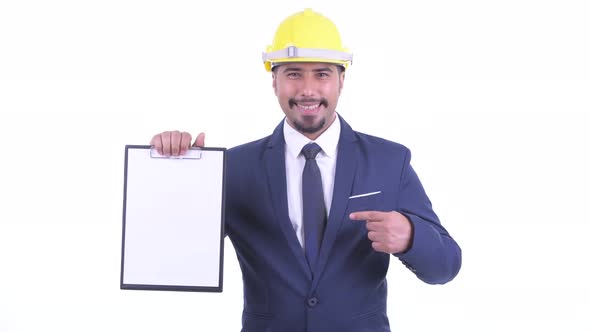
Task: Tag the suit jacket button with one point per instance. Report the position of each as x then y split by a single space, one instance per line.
312 302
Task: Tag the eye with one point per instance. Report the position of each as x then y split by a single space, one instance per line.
293 75
323 75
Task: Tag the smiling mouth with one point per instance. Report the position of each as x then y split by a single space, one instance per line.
308 110
308 107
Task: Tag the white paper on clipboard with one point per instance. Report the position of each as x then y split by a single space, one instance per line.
173 220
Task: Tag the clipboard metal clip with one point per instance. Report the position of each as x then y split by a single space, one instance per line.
192 153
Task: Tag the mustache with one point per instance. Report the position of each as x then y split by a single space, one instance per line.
321 101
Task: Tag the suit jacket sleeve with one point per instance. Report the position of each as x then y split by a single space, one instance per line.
433 256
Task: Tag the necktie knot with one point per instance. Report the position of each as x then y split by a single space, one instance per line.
311 150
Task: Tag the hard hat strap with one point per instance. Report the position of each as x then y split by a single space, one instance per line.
295 52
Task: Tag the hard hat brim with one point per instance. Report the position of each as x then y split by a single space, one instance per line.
296 54
271 65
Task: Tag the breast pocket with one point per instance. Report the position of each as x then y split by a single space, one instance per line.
356 230
365 202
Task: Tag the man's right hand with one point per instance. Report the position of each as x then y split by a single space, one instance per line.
175 143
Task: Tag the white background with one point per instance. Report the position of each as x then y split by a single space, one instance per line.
492 97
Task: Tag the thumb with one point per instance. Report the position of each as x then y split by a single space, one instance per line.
200 141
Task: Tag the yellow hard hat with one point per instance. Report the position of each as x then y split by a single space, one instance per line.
306 36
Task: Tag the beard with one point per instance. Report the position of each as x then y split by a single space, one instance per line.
308 128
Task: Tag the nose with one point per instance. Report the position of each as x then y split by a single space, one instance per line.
308 85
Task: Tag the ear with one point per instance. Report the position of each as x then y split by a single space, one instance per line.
342 74
274 82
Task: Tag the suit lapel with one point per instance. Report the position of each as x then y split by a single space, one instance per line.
274 160
346 163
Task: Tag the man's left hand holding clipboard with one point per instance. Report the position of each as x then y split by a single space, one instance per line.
175 143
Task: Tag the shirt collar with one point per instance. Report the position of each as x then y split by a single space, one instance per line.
328 140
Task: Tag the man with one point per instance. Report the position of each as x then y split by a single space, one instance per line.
315 210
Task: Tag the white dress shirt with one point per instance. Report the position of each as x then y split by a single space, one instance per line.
295 161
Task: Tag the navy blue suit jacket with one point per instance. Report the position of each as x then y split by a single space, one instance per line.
350 290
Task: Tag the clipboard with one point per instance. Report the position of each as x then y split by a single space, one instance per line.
173 220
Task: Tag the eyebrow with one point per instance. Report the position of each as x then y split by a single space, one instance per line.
317 70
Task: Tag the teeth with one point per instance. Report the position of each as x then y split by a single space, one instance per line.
309 107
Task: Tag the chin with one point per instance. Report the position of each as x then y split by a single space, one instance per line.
310 124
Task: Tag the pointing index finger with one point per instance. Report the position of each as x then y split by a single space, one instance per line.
366 215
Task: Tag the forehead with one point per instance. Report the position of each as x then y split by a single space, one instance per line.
307 66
